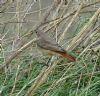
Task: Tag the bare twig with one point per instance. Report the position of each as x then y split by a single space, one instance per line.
89 36
72 20
78 39
17 52
54 5
15 81
41 78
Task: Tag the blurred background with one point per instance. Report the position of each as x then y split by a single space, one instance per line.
74 24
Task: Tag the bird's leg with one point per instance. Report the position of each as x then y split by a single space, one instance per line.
49 59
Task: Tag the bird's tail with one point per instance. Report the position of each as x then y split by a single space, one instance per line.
68 56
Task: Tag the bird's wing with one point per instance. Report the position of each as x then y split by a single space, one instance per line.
48 43
45 37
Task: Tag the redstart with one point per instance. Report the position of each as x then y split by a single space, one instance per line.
46 42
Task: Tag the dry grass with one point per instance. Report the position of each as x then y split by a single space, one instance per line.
75 26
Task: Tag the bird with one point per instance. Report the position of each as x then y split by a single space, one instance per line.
45 42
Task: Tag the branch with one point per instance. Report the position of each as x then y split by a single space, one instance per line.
79 37
22 42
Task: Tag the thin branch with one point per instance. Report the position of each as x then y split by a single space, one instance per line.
54 5
70 23
79 37
17 52
15 81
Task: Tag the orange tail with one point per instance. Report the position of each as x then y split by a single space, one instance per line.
68 56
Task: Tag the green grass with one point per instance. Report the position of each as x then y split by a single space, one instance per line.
80 78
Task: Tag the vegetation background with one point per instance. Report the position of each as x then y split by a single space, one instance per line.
74 24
